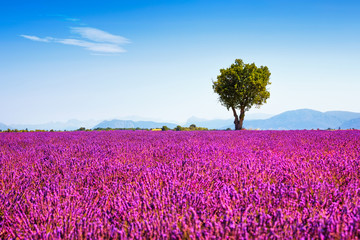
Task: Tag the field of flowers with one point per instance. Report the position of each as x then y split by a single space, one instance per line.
180 185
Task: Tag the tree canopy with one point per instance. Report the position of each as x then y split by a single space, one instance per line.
242 86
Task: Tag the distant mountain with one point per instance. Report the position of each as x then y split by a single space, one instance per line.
210 124
301 119
343 115
222 123
4 127
296 119
353 123
258 116
69 125
132 124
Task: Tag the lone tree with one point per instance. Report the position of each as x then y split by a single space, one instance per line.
241 86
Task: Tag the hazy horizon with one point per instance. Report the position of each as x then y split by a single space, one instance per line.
156 59
248 116
141 118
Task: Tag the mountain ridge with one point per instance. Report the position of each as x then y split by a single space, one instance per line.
4 127
71 124
302 119
288 120
115 123
351 124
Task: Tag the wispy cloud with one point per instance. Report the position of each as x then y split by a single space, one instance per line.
35 38
72 19
63 17
92 39
98 35
95 47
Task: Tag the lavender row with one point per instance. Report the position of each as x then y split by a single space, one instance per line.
180 185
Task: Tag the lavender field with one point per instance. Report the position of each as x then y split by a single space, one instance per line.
180 185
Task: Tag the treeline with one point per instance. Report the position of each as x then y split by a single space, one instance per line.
111 129
192 127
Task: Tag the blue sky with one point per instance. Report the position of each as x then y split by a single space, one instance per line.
64 60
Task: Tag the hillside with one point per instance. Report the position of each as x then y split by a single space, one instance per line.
69 125
4 127
221 123
343 115
296 119
210 124
303 119
353 123
132 124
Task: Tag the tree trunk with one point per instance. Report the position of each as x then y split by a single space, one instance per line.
236 121
242 116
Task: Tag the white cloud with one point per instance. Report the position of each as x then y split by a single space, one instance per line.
35 38
92 39
95 47
98 35
72 19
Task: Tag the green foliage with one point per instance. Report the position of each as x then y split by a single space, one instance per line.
112 129
242 86
178 128
165 128
192 127
15 130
